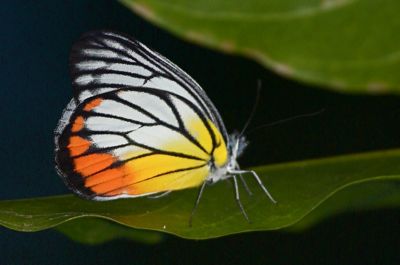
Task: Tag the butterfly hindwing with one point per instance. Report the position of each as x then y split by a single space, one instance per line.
115 145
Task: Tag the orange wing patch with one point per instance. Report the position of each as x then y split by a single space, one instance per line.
109 181
99 177
93 163
92 104
103 177
78 124
78 145
150 174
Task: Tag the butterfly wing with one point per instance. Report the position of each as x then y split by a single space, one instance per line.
103 61
136 126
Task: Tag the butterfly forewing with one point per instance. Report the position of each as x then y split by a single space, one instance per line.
104 61
137 124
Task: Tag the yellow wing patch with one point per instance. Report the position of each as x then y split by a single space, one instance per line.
199 131
149 174
220 152
138 173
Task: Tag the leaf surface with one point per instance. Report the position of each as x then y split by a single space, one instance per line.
348 45
299 188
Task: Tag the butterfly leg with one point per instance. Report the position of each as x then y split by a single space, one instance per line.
197 202
262 185
257 179
246 187
159 195
237 198
243 181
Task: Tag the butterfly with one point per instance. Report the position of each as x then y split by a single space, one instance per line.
138 125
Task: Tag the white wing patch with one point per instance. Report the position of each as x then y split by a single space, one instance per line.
108 140
130 69
106 61
151 103
137 58
84 79
160 122
160 137
111 107
170 86
118 79
96 123
129 152
91 65
193 123
103 53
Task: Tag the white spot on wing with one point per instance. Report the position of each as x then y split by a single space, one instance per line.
112 34
128 152
142 60
170 86
112 107
107 140
102 53
97 123
90 65
114 44
84 79
155 136
84 95
152 104
162 138
118 79
132 53
104 90
129 68
187 114
189 118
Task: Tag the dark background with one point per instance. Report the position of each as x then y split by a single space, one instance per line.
35 40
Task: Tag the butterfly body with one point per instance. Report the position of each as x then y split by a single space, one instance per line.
138 124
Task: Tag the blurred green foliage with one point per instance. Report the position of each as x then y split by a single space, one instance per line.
347 45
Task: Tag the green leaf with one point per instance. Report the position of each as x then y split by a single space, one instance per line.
94 231
348 45
369 195
299 188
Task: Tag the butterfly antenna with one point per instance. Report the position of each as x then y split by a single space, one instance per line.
287 119
197 203
253 111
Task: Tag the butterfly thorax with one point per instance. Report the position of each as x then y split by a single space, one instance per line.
236 145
